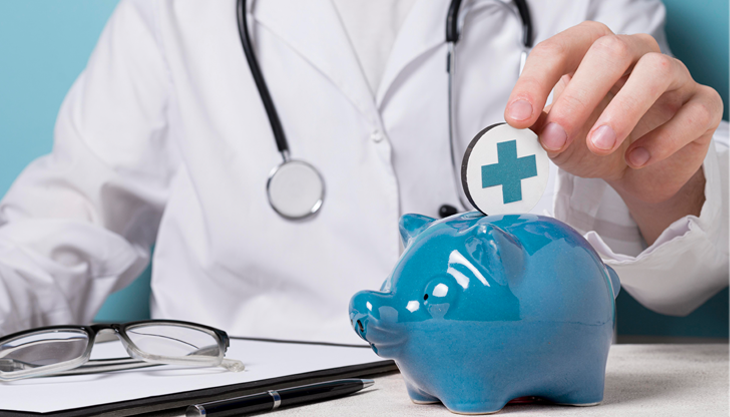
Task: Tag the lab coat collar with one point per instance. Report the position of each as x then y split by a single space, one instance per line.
323 43
423 30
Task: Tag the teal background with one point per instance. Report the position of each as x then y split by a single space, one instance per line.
44 45
697 32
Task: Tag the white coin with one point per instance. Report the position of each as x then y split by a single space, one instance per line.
295 189
504 170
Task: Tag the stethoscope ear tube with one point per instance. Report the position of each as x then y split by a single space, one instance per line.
258 77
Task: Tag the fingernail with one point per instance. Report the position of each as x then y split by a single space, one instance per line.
604 138
553 137
638 157
520 110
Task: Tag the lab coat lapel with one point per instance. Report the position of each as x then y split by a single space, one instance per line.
423 30
313 28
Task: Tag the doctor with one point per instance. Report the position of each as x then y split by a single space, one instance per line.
164 140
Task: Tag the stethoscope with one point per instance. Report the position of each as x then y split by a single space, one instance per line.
295 189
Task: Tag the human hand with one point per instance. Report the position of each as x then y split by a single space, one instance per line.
622 111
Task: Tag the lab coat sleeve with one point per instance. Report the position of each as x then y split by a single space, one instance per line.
78 224
688 263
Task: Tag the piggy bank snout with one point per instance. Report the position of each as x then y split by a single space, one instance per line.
364 307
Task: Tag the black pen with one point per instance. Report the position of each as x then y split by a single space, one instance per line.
271 400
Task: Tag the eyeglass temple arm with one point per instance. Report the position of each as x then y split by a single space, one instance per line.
95 365
107 365
115 364
119 364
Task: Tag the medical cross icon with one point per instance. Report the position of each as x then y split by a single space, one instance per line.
509 171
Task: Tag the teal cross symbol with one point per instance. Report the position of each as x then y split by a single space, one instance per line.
509 171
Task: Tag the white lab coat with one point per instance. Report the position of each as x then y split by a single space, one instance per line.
163 140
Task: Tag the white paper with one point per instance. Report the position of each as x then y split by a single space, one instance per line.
263 360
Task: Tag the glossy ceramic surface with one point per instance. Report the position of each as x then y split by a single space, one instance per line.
484 309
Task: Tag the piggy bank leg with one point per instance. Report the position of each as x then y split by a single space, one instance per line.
418 396
591 394
485 406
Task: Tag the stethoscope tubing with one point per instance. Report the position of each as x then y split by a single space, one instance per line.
281 143
523 11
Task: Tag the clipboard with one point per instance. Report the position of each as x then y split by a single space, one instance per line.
175 403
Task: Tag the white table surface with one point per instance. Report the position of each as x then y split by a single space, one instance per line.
641 380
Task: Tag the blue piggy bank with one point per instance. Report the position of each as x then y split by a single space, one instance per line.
481 310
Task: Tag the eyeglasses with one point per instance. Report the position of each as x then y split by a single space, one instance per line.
65 350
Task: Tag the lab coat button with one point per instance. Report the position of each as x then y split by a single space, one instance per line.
376 136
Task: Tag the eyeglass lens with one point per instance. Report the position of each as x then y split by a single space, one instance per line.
173 341
39 350
57 350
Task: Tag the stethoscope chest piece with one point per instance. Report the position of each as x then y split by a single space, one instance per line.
504 170
295 189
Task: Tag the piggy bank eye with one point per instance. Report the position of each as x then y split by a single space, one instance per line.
440 294
436 292
440 287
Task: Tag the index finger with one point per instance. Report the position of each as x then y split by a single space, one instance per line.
547 62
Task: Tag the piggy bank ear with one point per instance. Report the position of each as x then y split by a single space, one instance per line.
504 255
411 225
